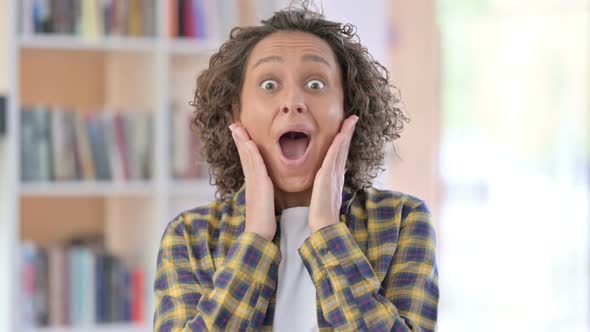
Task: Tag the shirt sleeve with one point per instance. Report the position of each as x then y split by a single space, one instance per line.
242 285
350 294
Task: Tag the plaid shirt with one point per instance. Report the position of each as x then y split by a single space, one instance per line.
374 271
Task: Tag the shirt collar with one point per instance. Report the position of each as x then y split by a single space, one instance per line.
239 200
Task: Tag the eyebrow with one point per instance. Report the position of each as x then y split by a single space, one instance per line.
306 57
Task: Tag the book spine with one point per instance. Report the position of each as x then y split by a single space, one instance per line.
42 144
173 18
121 143
88 288
28 271
100 316
27 146
84 151
73 156
42 289
138 295
58 144
56 286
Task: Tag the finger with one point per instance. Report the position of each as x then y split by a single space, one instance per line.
242 132
238 142
332 154
348 128
258 165
242 150
255 162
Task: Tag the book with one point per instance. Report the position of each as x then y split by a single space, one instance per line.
80 284
29 253
202 19
41 296
98 141
27 158
89 19
85 160
41 143
63 144
58 285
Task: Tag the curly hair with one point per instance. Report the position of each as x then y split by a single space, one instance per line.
368 93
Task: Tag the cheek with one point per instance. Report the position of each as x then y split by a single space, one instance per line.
331 119
329 123
255 109
255 118
257 125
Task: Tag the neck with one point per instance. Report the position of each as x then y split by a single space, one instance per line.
285 200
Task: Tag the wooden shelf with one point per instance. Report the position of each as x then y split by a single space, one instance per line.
188 46
81 188
197 188
115 327
179 46
101 44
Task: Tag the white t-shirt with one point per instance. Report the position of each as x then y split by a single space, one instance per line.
295 306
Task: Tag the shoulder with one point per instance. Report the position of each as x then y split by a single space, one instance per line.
391 197
203 218
380 198
394 217
392 208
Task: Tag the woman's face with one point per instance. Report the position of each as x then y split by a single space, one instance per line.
291 104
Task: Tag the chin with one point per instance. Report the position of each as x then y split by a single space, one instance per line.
294 184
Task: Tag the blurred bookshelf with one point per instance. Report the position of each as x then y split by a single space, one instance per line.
100 150
66 42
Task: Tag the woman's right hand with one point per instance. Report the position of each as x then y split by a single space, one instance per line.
260 204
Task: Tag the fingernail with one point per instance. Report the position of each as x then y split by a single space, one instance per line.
236 133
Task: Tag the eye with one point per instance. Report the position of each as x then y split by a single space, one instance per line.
315 84
269 85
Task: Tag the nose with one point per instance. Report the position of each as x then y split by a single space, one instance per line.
293 101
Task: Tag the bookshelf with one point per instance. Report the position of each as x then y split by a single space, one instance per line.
125 75
93 74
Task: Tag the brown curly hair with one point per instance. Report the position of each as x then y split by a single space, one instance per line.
366 86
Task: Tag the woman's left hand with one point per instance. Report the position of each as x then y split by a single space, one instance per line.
326 196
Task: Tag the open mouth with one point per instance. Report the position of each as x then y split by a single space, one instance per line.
294 144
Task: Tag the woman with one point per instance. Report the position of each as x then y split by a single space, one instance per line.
297 239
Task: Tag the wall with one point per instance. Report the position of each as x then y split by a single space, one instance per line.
414 41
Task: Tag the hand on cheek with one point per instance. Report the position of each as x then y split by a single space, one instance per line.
260 209
326 197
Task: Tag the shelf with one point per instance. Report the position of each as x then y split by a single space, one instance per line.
179 46
115 327
197 188
190 46
77 43
78 188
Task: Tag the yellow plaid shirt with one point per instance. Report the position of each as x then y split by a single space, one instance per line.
374 271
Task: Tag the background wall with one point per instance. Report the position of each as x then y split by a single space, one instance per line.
415 63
